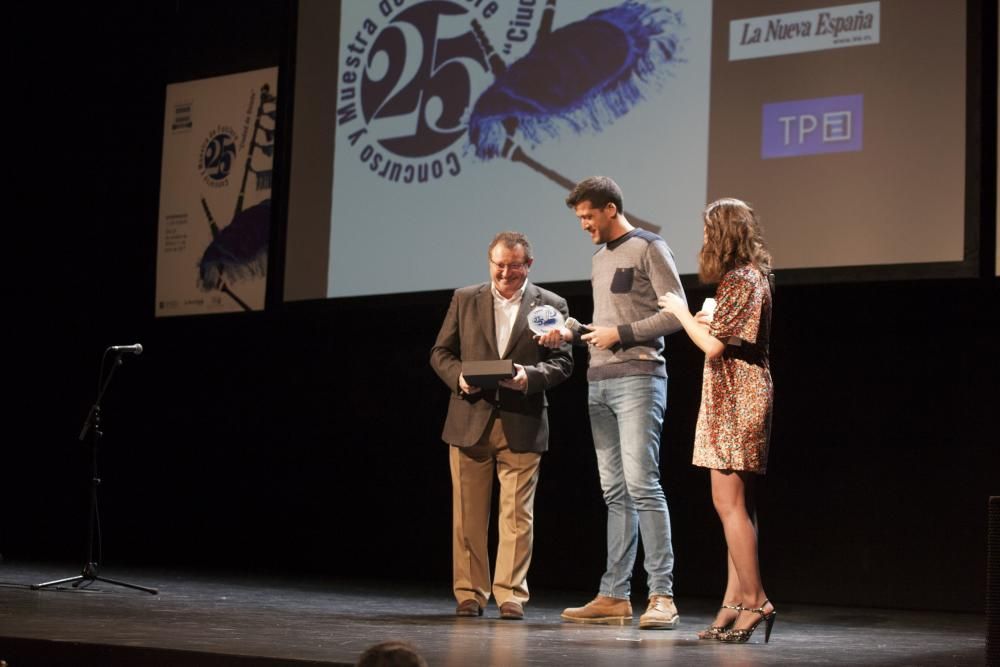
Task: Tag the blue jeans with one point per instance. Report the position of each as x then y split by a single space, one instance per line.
626 417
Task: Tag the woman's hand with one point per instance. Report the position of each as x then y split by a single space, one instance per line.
697 326
672 304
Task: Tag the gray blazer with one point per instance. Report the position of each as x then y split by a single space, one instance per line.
469 333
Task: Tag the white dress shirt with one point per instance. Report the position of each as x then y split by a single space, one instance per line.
504 314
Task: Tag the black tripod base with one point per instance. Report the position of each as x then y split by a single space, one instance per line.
89 575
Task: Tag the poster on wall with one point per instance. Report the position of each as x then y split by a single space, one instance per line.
215 194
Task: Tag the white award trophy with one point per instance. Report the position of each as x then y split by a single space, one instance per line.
544 319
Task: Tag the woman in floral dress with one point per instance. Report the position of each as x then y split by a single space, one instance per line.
734 421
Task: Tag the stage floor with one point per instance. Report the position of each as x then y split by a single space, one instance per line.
200 619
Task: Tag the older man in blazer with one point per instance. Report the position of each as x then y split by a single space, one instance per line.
503 429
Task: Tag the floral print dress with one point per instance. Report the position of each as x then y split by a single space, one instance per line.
734 422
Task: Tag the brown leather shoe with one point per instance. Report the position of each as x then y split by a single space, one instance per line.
468 608
661 614
512 611
603 610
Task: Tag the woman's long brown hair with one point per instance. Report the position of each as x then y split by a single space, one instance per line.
733 239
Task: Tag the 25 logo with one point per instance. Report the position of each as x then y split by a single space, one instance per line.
417 86
220 151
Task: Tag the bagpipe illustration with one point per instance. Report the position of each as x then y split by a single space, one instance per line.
580 77
239 250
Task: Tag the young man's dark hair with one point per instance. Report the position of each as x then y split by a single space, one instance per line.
599 191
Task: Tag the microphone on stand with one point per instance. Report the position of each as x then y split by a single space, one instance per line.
134 349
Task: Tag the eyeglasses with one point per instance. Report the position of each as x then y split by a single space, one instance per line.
510 267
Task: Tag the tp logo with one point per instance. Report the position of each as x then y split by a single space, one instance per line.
811 127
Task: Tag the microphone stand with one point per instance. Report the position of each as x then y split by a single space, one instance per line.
92 426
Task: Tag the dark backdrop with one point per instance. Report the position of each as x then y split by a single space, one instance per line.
269 442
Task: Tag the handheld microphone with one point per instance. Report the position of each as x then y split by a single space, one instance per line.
574 325
134 349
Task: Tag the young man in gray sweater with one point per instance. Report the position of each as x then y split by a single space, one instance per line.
627 399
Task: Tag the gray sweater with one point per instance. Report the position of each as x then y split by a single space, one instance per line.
628 275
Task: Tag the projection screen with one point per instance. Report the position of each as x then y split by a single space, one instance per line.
421 128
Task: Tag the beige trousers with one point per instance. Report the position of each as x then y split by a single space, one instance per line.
472 488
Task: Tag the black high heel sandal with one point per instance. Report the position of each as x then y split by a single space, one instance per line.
715 631
739 636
